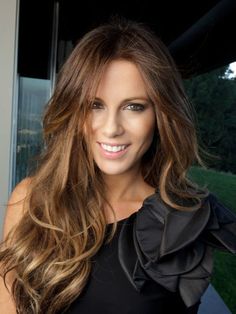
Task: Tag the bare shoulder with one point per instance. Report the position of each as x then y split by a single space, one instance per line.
20 190
13 214
15 205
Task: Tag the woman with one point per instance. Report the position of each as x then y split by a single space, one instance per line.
109 222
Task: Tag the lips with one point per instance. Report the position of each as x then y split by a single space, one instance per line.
113 148
113 144
112 151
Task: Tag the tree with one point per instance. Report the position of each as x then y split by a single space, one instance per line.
214 97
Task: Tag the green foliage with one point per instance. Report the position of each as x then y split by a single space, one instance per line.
224 278
223 185
214 98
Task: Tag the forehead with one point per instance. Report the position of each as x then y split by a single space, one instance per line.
121 78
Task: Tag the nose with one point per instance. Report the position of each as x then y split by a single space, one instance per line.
112 126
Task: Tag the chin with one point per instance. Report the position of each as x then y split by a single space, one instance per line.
113 172
116 169
113 169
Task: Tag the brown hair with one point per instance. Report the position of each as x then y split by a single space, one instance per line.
64 223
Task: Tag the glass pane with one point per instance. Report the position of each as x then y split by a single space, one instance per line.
33 95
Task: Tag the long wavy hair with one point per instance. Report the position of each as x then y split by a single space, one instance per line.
64 223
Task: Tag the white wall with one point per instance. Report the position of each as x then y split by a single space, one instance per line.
8 43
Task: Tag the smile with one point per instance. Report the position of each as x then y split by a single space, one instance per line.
113 151
113 148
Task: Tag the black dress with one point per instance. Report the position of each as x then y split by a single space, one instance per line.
159 261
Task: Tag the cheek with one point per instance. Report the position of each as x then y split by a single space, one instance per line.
90 128
148 136
96 124
145 129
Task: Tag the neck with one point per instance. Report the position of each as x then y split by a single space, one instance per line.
125 187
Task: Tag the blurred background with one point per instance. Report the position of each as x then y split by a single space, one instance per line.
36 37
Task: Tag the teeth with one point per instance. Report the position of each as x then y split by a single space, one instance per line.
113 148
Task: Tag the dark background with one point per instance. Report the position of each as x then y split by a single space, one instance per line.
199 33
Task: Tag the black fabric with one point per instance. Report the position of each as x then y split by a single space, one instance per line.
108 290
175 248
160 260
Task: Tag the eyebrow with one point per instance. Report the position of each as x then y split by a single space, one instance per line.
128 99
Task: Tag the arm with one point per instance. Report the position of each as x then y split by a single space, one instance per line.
12 217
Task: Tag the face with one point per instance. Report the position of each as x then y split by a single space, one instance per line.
122 119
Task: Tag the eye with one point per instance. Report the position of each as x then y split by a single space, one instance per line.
135 107
96 105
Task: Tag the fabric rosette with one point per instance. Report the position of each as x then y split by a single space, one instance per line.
175 248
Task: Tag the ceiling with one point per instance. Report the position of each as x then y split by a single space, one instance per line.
200 34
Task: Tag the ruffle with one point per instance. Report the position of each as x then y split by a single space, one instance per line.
175 248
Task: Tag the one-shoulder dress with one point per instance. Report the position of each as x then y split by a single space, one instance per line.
160 260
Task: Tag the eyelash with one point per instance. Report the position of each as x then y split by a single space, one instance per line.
134 105
95 103
139 106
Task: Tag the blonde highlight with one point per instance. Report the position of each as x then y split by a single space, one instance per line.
64 224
